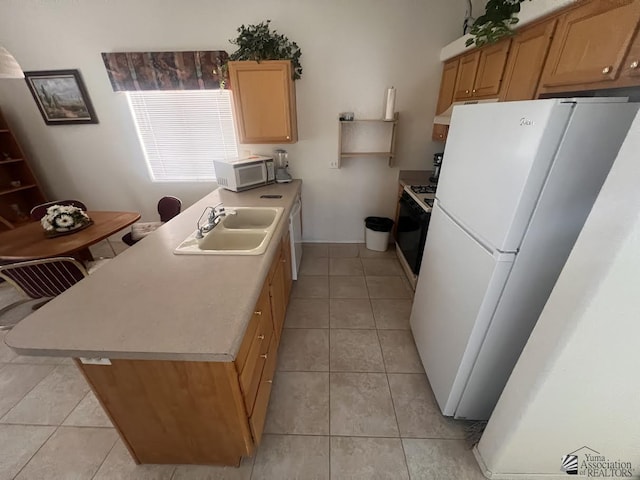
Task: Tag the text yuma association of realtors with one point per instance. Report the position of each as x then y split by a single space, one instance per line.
599 466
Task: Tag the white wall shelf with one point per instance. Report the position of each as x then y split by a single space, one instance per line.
366 138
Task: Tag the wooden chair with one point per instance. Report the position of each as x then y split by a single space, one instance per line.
40 211
168 207
41 279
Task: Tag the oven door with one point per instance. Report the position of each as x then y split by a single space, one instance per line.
413 222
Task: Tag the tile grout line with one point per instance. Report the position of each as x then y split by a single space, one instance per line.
105 458
76 406
27 393
329 399
395 412
36 452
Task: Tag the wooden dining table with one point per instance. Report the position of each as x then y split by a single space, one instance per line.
29 242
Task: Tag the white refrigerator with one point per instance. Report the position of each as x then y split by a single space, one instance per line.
517 184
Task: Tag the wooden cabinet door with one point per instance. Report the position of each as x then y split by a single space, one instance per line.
490 69
447 85
529 50
277 293
591 42
631 64
440 132
264 101
466 76
256 421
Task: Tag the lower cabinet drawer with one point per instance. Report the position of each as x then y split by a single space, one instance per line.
256 360
256 421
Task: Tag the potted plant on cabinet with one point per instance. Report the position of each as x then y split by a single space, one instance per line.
258 42
496 22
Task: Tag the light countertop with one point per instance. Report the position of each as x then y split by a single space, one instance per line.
148 303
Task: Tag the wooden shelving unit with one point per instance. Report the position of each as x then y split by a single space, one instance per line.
355 137
16 199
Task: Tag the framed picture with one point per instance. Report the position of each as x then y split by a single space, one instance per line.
61 97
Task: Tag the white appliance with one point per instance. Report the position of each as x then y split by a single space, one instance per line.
519 180
244 173
295 237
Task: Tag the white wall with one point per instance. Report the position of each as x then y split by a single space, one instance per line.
576 382
351 52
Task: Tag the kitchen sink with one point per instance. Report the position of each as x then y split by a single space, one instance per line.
250 217
243 231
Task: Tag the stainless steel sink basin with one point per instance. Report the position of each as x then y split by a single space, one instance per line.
243 231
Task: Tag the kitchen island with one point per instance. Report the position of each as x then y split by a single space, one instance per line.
186 343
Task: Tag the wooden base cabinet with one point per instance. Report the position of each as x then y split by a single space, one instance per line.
203 413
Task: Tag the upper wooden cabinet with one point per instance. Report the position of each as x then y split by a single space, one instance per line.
591 43
631 64
447 85
480 73
466 75
529 50
264 100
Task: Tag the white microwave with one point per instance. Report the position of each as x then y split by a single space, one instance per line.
244 173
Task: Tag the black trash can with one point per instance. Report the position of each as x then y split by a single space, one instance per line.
376 233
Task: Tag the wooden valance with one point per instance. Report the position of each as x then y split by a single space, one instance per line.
196 70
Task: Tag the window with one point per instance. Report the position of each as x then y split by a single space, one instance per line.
183 131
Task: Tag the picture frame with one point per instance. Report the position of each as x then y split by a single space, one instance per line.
61 97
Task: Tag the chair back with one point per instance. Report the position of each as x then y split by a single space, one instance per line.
169 207
44 278
40 211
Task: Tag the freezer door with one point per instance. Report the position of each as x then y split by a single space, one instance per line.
458 288
495 163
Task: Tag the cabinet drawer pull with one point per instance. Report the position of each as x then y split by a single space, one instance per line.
288 137
473 91
258 312
269 381
634 65
260 337
283 260
466 91
264 356
440 136
606 70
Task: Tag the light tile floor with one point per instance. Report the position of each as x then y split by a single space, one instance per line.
350 399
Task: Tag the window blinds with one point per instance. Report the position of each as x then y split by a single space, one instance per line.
183 131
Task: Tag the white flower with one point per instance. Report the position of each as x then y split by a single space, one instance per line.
63 218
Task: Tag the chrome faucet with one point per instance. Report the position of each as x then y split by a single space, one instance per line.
214 217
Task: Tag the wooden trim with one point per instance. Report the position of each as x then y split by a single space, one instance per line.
107 412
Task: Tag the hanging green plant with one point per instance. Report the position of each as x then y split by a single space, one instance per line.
258 42
495 24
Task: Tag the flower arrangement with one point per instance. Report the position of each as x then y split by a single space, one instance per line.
64 218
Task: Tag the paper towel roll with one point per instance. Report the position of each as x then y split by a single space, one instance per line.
390 104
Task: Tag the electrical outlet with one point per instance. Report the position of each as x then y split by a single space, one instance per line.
333 164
